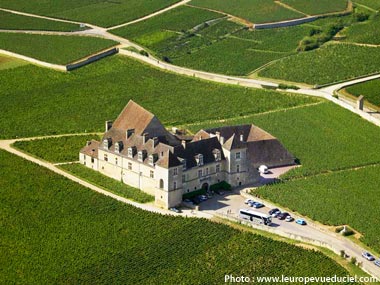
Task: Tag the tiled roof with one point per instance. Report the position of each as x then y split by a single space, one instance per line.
91 149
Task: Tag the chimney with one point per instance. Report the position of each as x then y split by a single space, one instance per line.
184 144
88 143
145 138
130 132
241 137
221 140
155 141
108 125
217 135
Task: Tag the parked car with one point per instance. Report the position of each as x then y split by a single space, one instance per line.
377 262
283 215
289 219
301 222
275 214
272 211
257 205
196 200
203 197
209 195
247 201
187 200
175 210
250 203
368 256
263 169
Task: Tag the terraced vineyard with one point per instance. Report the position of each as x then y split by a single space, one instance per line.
331 63
364 33
17 22
74 235
81 105
53 49
101 13
369 89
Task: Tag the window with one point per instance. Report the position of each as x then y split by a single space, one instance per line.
217 154
130 152
200 159
92 160
183 178
116 160
84 157
151 160
151 174
237 155
140 156
217 168
199 173
238 168
175 171
105 157
175 185
184 164
206 171
130 165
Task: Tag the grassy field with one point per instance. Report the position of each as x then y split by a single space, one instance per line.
348 197
331 63
369 89
102 13
256 11
107 183
311 7
68 234
320 136
10 21
365 33
82 100
53 49
58 149
10 62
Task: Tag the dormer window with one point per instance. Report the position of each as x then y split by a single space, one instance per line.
184 164
141 155
217 155
131 152
107 143
199 159
152 159
118 147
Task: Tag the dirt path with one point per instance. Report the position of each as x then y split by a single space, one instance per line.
183 2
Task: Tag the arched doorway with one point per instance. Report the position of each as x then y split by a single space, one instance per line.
205 186
161 184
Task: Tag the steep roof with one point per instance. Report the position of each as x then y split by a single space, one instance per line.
91 148
168 160
234 143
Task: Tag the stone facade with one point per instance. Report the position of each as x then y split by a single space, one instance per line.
137 150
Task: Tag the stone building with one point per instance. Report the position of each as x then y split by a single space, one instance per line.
137 150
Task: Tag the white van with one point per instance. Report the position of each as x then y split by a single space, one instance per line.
263 169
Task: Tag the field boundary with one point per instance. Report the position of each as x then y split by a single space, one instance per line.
92 58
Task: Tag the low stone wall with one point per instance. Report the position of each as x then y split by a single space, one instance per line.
284 24
91 59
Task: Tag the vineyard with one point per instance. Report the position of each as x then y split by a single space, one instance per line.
53 49
320 136
365 33
107 183
56 150
9 62
331 63
373 4
101 13
68 234
317 7
369 89
348 197
17 22
80 106
256 11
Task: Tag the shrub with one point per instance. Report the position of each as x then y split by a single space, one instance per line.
223 185
144 53
353 260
